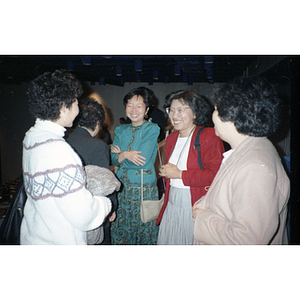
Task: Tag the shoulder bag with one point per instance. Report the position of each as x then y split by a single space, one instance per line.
11 225
150 209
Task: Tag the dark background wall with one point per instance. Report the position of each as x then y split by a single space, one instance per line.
15 120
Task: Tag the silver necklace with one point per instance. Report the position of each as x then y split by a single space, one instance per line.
185 144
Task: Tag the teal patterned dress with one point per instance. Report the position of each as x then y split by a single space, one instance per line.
128 229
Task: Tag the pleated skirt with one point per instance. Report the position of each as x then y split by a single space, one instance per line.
177 225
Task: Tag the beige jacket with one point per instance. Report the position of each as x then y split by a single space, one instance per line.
247 201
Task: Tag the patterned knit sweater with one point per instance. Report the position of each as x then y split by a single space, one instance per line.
59 209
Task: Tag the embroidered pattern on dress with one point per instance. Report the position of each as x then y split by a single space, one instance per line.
55 183
145 172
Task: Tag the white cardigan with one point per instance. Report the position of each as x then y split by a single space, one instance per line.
59 209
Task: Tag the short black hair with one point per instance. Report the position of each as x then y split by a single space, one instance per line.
200 106
144 92
50 91
90 112
251 103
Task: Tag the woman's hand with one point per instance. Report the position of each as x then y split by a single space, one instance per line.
112 217
197 210
135 157
170 171
115 149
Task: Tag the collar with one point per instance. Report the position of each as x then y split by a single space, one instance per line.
82 131
135 128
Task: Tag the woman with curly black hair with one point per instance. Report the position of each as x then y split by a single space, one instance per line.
188 171
92 150
59 209
247 201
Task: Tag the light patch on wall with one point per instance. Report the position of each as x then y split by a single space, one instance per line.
108 115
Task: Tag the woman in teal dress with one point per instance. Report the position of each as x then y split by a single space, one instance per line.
134 149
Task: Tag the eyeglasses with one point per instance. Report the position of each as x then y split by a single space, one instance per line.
179 110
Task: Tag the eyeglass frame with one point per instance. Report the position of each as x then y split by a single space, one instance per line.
179 110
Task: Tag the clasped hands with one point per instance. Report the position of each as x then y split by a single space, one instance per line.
133 156
170 171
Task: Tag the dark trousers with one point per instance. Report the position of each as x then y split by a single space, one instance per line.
106 228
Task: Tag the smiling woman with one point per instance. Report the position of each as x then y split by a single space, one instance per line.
182 117
134 149
136 110
186 179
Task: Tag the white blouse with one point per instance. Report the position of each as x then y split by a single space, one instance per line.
179 157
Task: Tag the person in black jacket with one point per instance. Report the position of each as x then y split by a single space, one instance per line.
92 150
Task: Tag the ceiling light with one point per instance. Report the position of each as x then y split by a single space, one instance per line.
208 61
86 60
177 70
70 65
209 73
138 65
118 70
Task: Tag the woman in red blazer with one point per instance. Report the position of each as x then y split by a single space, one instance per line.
187 177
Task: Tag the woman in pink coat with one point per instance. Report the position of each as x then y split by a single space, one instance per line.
247 201
187 179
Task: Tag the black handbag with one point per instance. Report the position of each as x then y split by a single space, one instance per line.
10 227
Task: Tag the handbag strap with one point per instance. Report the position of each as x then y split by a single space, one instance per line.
142 187
197 147
160 162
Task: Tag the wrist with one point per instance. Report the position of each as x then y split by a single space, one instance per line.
125 154
122 156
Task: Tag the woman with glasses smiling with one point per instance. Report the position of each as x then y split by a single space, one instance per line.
186 181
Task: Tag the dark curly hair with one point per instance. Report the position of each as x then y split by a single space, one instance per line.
252 104
144 92
90 112
199 105
50 91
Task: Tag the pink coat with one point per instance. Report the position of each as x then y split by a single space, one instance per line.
247 201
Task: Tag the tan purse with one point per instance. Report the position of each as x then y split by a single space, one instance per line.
149 209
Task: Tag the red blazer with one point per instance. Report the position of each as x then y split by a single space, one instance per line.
198 180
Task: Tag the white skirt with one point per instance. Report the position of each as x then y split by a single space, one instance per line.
177 225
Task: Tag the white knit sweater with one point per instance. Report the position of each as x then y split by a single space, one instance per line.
59 209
